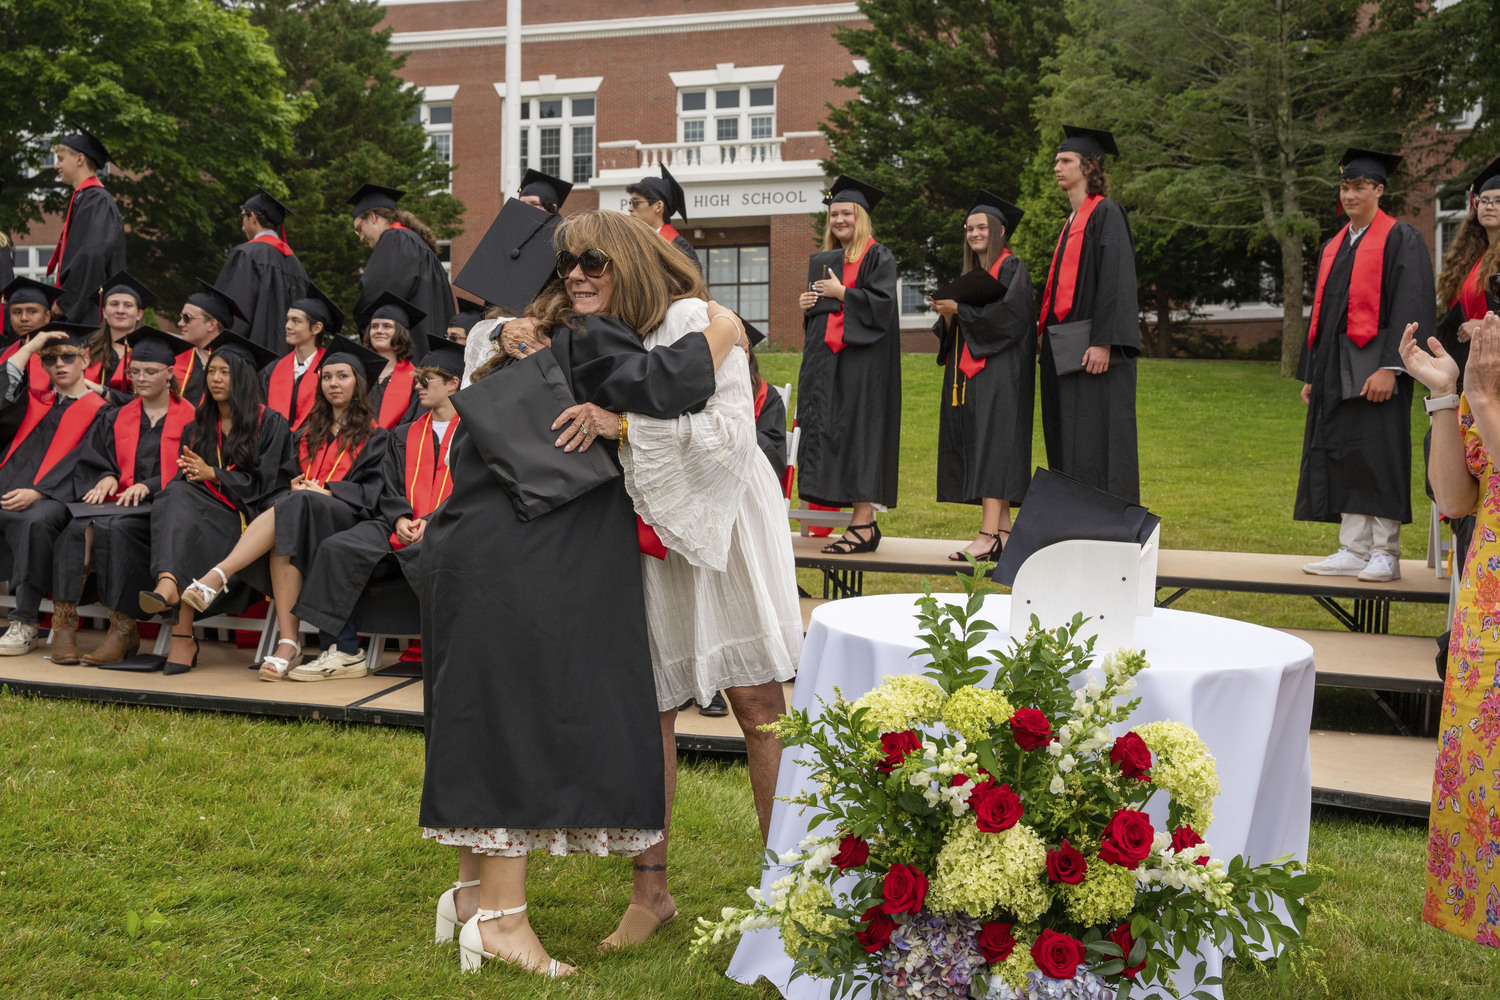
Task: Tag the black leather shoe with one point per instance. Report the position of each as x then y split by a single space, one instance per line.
716 706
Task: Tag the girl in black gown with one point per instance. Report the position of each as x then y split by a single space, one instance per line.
388 332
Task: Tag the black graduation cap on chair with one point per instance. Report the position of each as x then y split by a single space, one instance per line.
155 346
319 308
1088 141
446 355
123 283
217 303
85 142
991 203
344 350
535 184
1059 508
1366 163
29 291
514 260
371 196
232 343
847 189
469 313
264 204
669 191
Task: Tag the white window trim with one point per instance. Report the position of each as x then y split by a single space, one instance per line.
39 253
437 94
555 86
726 73
432 96
1440 216
561 89
711 115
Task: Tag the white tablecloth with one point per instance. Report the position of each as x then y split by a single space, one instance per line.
1246 689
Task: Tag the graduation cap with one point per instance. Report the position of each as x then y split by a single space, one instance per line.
551 190
1059 508
469 313
1088 141
514 260
1367 164
77 339
848 190
1487 179
85 142
155 346
667 191
752 331
372 196
320 309
249 350
122 283
217 303
29 291
265 205
992 204
392 306
347 351
445 355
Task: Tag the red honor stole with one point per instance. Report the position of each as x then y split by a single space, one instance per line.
1470 295
761 393
70 430
116 380
1364 283
397 395
967 363
184 365
219 458
128 438
429 481
332 462
283 376
62 241
271 239
397 225
667 232
1066 276
37 380
833 333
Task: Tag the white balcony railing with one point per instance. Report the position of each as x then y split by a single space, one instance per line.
687 156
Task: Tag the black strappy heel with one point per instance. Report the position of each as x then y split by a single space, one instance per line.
846 546
170 668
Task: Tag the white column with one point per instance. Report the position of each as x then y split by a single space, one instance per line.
511 139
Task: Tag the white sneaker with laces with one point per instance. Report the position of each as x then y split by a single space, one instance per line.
20 638
1341 563
331 665
1383 568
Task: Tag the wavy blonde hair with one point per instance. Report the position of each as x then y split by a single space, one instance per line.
864 229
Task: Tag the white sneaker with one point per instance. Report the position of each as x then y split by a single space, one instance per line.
1341 563
1383 568
20 638
331 665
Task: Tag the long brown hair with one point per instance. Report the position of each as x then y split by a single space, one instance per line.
102 343
1095 173
410 221
359 420
992 251
1469 245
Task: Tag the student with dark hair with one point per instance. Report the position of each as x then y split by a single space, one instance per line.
770 419
28 307
654 200
92 244
123 301
207 314
389 333
403 261
311 323
262 274
544 191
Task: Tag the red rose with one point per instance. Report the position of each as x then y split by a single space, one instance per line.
995 941
1133 756
1030 728
1058 955
896 747
958 781
1127 839
996 809
904 889
877 932
1184 837
853 852
1121 936
1065 863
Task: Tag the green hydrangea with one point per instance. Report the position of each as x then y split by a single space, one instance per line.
1106 894
978 873
808 906
971 711
1183 767
902 702
1014 970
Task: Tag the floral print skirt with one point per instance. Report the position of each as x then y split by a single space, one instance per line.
503 843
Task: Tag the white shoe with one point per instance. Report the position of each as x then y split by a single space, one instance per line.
20 638
1341 563
331 665
471 953
447 912
1383 568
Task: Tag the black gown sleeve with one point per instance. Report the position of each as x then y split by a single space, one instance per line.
1004 323
362 487
610 367
871 307
394 504
95 250
1408 288
770 431
681 243
253 490
96 453
241 279
1115 310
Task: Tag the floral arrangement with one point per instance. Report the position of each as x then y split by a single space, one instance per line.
979 832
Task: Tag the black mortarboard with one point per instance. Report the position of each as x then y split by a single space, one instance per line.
1061 509
78 334
155 346
85 142
514 259
345 350
667 191
991 203
374 196
122 282
469 313
752 331
233 343
444 354
1088 141
265 205
217 303
847 189
1366 163
30 291
536 184
392 306
320 309
1487 179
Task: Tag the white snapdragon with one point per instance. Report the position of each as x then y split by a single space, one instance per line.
957 798
821 859
1055 748
1067 763
1056 787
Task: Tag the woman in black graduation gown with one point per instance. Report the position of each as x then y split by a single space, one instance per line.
310 323
123 302
849 389
403 261
988 354
237 460
340 456
388 332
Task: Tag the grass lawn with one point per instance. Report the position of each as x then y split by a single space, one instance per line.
275 859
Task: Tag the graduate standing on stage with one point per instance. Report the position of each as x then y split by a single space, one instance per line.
849 389
403 261
123 301
390 332
311 324
129 454
1374 277
37 471
1090 327
205 317
262 274
654 200
92 244
988 354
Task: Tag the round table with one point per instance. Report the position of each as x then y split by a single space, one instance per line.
1246 689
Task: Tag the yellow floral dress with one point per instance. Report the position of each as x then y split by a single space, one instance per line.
1463 842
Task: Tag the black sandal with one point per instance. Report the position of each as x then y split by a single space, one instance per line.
170 668
989 555
154 604
845 546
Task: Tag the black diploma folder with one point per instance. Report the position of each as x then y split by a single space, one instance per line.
1069 341
817 269
973 288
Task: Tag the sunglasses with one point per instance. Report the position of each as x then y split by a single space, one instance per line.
592 263
50 360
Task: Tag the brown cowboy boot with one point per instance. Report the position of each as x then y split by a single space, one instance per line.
65 632
121 641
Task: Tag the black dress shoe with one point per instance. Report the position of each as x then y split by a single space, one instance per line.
716 706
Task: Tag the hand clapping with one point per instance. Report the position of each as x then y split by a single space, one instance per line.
1436 370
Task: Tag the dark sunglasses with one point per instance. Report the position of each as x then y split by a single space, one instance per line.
61 359
591 262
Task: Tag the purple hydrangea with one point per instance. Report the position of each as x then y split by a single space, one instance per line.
1084 986
931 957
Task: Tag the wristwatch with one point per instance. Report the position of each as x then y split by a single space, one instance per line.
1435 404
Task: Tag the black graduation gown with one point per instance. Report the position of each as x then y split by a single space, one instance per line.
546 718
193 389
95 249
849 403
1356 455
264 282
1088 421
680 242
265 385
770 431
377 397
403 264
984 424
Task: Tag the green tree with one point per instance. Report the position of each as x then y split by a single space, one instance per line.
186 95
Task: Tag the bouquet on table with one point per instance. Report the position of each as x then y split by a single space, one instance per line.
979 835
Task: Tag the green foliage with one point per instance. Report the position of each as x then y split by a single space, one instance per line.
1466 46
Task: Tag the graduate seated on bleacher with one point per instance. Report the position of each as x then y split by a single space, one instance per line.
310 323
37 471
123 302
28 305
390 332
